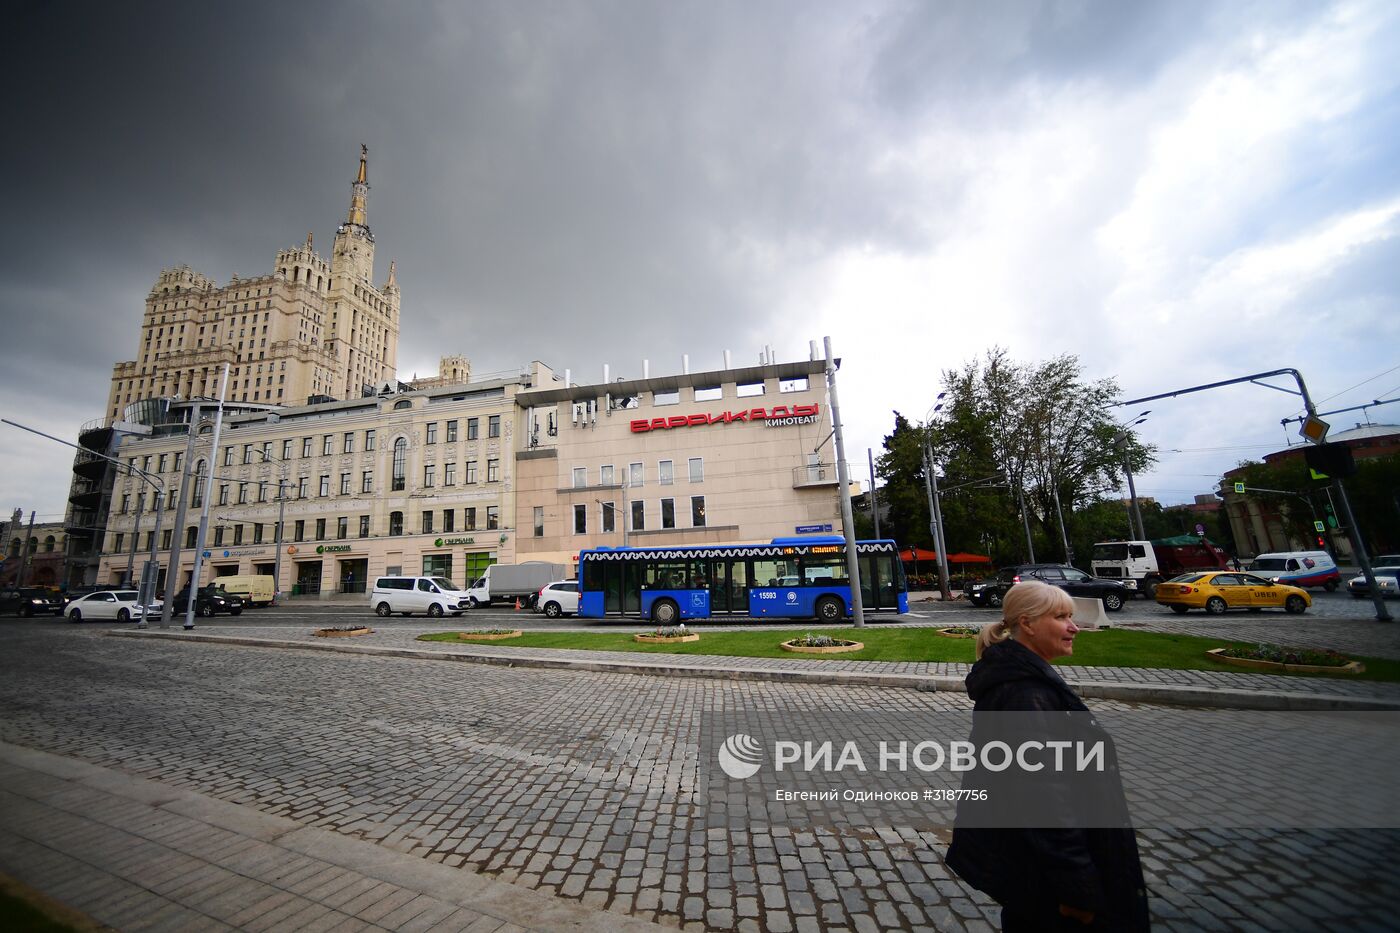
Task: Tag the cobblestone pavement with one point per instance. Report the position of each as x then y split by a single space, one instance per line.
587 786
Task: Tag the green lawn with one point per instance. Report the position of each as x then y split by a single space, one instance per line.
1107 648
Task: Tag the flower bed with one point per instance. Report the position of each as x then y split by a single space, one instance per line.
493 634
1289 660
821 644
959 631
346 632
667 635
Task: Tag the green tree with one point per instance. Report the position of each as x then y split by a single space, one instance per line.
901 468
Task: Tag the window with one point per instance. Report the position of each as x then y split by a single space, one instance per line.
228 456
301 486
342 527
639 516
364 526
257 533
242 493
117 543
165 537
160 463
286 450
449 520
327 445
471 472
395 523
325 485
750 389
708 393
665 474
580 519
179 460
636 474
609 518
369 439
605 475
539 521
493 426
472 428
452 432
345 484
306 446
238 534
299 530
469 519
348 443
218 536
320 529
266 451
262 492
400 465
580 477
247 454
493 517
429 475
191 536
449 474
427 525
697 511
493 470
798 384
668 513
666 398
223 494
126 503
431 434
367 481
697 469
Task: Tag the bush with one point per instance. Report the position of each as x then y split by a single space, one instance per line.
1283 655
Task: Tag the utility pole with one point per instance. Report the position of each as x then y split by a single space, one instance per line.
935 514
24 552
172 576
874 503
203 532
842 477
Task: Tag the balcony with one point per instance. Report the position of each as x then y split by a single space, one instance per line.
814 475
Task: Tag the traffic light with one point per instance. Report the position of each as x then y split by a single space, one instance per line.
1330 461
1321 543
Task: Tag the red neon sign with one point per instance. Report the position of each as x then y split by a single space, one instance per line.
807 413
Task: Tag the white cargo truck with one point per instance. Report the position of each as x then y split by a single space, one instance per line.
507 582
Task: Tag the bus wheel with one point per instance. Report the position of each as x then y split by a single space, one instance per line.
664 612
829 609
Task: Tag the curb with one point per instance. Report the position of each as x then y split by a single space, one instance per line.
1165 694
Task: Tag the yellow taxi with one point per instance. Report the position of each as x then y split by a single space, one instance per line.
1220 592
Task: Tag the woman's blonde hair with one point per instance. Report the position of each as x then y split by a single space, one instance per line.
1028 600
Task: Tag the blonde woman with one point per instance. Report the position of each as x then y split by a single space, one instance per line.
1045 879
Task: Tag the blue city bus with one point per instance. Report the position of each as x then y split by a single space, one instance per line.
792 578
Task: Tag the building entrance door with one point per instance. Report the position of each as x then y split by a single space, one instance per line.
352 574
308 578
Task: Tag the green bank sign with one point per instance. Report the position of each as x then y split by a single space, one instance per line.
332 549
448 542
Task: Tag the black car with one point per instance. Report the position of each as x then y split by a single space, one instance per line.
1070 579
30 601
210 600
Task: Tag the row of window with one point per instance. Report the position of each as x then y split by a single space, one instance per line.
636 473
493 429
741 390
636 514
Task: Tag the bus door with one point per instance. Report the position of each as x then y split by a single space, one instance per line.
730 592
877 585
633 573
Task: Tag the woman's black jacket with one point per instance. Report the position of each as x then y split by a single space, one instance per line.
1034 870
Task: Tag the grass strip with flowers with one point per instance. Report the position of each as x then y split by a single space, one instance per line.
1105 648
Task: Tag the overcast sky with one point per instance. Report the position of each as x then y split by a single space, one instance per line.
1179 193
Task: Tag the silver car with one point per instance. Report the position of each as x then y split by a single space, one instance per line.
108 605
1387 581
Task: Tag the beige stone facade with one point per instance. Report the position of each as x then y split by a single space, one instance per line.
450 478
309 328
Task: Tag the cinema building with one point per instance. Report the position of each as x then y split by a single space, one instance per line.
455 473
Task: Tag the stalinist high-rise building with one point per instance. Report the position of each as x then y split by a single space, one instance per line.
309 329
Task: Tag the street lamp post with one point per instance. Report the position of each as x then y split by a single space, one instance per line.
1134 515
935 504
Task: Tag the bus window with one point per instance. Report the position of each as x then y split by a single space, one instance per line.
770 572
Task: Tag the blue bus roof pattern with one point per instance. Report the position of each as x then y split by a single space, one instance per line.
732 550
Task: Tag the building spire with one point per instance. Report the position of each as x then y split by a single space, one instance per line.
361 192
393 279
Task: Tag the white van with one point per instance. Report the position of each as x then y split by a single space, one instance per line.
1298 568
256 589
407 595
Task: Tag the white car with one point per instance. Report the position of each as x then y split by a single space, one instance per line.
1386 582
556 599
115 605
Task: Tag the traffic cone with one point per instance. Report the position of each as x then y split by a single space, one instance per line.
517 604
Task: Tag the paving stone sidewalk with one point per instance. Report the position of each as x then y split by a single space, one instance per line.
134 854
1195 688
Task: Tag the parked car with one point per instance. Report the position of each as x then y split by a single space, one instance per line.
1220 592
1070 579
30 601
407 595
118 605
1387 581
558 598
210 600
